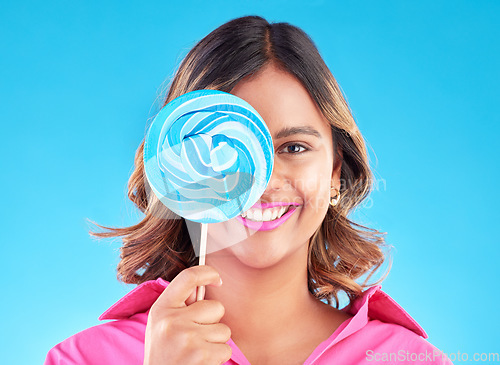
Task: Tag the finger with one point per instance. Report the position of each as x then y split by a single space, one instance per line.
181 287
192 297
222 352
208 353
206 311
215 333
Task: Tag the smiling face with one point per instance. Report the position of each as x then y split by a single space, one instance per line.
303 172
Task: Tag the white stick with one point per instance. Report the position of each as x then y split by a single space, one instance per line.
200 293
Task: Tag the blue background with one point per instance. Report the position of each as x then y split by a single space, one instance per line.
80 79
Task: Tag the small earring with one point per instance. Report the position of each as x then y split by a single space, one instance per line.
336 199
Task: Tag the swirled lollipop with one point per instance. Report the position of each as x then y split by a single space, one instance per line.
208 156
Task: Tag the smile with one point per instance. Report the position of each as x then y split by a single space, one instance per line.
265 217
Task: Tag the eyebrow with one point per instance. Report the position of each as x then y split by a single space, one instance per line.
288 131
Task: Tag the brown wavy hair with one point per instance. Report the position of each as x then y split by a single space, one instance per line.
340 251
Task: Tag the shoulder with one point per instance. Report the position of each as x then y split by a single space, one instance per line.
116 342
382 331
393 342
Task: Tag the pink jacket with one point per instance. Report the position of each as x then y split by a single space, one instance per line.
380 332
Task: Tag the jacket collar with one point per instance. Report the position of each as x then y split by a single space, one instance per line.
372 304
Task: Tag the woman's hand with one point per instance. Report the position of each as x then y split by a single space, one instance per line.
183 331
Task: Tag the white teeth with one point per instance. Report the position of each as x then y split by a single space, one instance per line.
265 215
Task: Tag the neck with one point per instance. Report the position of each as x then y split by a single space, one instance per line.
260 302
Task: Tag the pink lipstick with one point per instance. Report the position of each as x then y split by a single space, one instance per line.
269 225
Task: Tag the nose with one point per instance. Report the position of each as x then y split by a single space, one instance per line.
280 180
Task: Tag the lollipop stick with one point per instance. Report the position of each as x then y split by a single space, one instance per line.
203 250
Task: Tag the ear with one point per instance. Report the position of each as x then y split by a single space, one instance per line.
337 167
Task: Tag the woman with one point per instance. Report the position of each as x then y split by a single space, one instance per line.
264 298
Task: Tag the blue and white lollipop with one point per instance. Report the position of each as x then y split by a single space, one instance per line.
208 157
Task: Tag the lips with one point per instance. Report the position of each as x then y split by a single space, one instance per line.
269 225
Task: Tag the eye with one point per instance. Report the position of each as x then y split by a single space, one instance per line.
294 148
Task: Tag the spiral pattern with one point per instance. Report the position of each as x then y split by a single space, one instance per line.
208 156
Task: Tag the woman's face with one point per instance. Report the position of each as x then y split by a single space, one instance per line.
303 170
